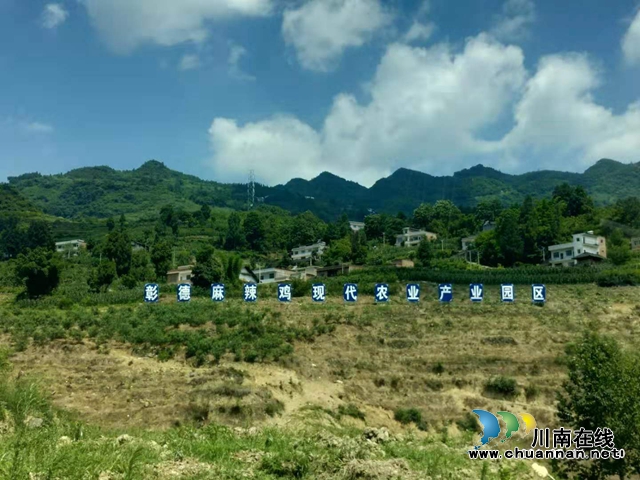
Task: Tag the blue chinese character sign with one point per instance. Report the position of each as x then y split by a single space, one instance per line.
381 293
350 292
318 292
476 292
538 293
507 293
151 293
445 292
284 292
218 292
184 292
413 292
250 292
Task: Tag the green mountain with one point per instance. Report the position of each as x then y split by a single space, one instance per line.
103 191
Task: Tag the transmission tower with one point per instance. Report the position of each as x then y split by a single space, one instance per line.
251 189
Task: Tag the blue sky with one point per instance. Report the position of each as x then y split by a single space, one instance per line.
292 88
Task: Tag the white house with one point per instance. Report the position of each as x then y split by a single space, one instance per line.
410 237
265 275
181 274
582 245
305 253
356 226
70 247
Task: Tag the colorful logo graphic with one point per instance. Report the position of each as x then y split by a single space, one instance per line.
491 425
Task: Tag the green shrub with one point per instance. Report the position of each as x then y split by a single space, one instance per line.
350 410
286 464
531 392
438 368
615 278
504 386
410 415
274 407
469 423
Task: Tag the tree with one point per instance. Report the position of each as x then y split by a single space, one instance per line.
205 213
235 235
358 247
576 201
102 276
12 237
627 211
374 226
169 218
141 267
509 239
339 251
39 271
425 252
603 390
118 249
529 231
488 210
161 253
209 268
618 248
422 216
305 229
487 244
254 231
233 266
39 235
111 224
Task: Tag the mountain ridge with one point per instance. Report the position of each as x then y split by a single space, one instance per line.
102 191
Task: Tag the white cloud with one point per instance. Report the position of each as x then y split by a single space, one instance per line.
189 62
559 123
53 15
430 109
236 52
427 104
514 21
321 30
126 24
277 149
631 42
419 31
36 127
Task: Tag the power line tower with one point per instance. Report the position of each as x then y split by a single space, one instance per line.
251 189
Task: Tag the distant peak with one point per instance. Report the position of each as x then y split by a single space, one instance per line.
604 164
153 165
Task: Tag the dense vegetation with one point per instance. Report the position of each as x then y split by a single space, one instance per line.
102 192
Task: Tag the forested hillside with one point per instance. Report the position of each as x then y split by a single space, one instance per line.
101 192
